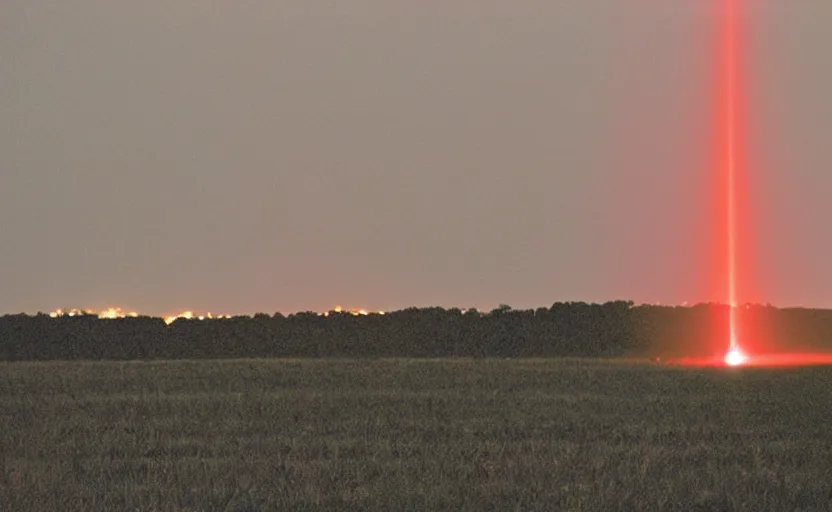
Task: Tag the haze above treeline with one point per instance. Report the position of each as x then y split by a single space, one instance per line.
288 155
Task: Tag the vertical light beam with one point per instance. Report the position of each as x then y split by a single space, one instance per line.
731 159
731 147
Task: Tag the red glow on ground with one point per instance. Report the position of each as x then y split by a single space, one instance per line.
774 360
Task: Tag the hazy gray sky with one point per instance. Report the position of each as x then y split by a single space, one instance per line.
293 155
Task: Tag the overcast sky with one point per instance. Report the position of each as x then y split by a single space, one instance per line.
294 155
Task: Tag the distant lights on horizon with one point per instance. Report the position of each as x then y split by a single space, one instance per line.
113 313
353 312
109 313
117 312
189 315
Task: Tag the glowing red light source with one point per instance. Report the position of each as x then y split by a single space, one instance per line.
735 357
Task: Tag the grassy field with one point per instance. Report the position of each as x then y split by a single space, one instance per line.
412 435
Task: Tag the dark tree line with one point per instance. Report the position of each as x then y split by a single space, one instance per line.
572 329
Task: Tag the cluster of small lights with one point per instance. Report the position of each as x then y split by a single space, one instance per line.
109 313
113 313
189 315
353 312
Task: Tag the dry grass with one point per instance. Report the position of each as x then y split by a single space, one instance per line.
412 435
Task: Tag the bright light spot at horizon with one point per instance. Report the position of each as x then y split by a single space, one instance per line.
735 357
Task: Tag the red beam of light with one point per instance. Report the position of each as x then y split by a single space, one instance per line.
748 345
731 172
730 161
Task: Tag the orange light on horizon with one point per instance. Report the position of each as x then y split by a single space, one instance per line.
190 315
353 312
106 314
112 313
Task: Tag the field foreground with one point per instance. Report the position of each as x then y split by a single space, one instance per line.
413 434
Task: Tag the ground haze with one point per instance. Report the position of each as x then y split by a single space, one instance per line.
413 434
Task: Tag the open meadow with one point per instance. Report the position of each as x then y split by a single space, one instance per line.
409 434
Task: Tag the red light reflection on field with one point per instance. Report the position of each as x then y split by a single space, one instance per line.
774 360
